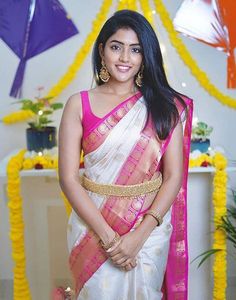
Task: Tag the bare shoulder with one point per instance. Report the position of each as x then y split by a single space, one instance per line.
74 106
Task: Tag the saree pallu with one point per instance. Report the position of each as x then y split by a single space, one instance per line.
123 149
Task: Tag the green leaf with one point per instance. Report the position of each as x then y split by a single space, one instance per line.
56 106
47 112
205 255
48 98
22 101
35 108
201 130
31 124
232 240
27 105
227 225
43 119
232 212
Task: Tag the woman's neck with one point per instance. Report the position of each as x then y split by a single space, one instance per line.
119 88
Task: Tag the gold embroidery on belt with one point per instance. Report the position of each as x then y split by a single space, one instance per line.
122 190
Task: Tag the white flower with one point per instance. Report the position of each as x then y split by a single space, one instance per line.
195 154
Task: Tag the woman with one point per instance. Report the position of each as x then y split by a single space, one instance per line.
134 130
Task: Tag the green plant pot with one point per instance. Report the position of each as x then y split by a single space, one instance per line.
38 140
200 145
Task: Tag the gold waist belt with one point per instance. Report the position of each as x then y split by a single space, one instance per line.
122 190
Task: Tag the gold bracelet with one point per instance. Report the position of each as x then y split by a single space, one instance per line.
112 243
156 215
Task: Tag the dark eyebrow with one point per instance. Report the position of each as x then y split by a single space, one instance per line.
137 44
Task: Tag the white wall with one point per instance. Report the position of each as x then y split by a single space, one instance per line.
47 68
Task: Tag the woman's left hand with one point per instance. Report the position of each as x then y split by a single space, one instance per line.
125 252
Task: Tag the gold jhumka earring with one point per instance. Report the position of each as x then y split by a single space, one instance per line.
139 78
104 74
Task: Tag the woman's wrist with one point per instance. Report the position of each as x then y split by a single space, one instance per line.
107 235
146 226
110 244
156 215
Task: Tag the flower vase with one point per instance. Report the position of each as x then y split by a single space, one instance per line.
201 145
40 139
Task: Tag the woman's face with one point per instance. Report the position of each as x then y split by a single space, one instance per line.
122 55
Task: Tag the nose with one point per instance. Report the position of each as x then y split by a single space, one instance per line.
124 56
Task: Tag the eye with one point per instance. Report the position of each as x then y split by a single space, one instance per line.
115 47
136 50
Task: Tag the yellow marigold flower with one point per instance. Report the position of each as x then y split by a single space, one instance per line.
28 164
219 202
19 256
191 163
219 161
43 161
18 116
55 163
50 164
14 205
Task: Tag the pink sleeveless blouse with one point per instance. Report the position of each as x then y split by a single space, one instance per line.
89 120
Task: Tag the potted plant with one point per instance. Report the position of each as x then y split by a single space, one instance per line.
199 138
40 135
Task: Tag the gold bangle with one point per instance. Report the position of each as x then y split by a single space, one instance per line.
112 243
156 215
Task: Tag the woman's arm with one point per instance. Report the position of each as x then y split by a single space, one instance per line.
70 135
132 242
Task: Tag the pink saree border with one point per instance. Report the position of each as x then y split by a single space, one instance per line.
175 286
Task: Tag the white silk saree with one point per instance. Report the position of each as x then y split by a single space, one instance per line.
123 149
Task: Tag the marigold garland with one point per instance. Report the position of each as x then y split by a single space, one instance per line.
21 288
17 116
147 11
185 55
202 160
72 70
219 203
40 162
127 4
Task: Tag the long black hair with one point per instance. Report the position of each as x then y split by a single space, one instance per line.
158 95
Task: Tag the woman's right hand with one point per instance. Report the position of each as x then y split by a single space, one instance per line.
132 263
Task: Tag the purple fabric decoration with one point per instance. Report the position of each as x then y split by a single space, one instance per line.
30 27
